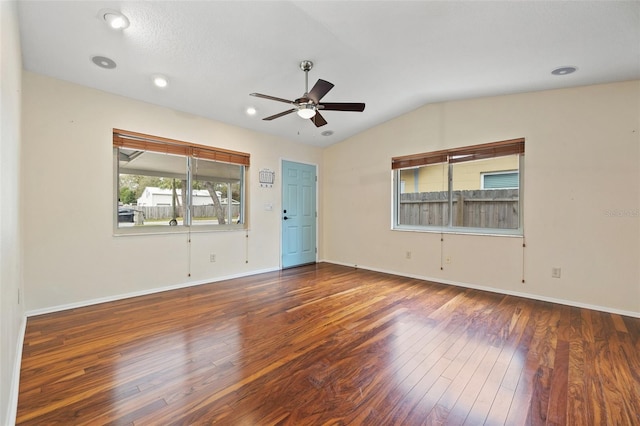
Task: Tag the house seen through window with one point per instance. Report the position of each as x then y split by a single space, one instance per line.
164 183
469 189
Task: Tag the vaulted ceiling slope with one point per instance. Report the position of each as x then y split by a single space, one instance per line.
395 56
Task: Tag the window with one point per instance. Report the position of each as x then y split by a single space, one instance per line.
500 180
474 189
167 183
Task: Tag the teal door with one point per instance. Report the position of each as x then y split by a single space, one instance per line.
298 214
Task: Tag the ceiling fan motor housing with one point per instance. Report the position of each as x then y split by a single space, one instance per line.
307 105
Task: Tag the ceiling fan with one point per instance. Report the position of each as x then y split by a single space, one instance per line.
309 105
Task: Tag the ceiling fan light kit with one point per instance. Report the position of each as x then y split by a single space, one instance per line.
309 104
306 111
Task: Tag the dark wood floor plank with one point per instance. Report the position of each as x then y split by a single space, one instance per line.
577 403
328 344
557 406
620 397
526 367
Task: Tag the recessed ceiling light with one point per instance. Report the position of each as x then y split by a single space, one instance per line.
564 70
114 19
327 133
160 81
251 111
104 62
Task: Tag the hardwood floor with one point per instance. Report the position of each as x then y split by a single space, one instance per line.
326 344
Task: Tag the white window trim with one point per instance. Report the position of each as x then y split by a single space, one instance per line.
505 172
181 229
519 232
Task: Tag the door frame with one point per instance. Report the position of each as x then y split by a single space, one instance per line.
280 234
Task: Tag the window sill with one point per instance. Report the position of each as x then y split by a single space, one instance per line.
169 230
513 233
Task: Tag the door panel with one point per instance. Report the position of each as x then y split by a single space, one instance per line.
298 214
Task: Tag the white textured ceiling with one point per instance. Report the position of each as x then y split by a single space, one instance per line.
394 56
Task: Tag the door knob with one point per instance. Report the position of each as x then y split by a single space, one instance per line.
285 218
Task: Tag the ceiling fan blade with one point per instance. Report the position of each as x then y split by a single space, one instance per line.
271 98
320 89
341 106
318 120
272 117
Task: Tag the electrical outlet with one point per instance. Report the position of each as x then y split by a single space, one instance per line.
556 272
408 255
212 258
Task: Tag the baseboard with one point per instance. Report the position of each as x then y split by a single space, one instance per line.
84 303
496 290
15 377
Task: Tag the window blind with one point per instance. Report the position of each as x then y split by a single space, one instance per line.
458 155
143 142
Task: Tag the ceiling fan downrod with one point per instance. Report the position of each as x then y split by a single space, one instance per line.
306 66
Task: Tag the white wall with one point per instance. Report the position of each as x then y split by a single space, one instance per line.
581 195
70 253
11 308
